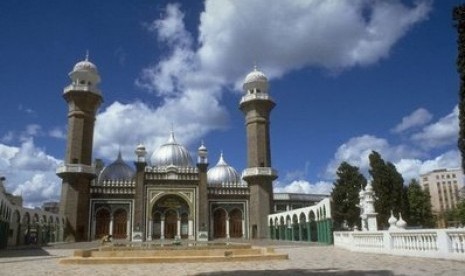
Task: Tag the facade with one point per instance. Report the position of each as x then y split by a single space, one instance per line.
283 202
311 224
22 226
444 189
166 195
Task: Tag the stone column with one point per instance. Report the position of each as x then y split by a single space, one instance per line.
178 229
111 225
190 231
162 228
128 229
149 232
300 231
243 229
227 227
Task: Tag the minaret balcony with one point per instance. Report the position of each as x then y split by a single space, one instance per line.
67 169
256 96
260 172
82 87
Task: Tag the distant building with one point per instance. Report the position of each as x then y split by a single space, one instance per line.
289 201
23 226
444 187
51 206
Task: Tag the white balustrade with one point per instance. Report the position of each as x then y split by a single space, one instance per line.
431 243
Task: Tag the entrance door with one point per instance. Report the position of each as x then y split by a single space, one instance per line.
235 224
120 219
102 223
219 223
171 221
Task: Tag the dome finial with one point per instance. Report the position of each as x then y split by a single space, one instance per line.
119 154
87 55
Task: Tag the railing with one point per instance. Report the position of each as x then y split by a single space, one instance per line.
431 243
257 96
259 171
75 168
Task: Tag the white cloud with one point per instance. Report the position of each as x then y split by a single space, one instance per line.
413 168
418 118
30 172
356 151
282 38
57 132
124 126
305 187
443 132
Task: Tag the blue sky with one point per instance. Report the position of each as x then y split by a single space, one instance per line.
348 77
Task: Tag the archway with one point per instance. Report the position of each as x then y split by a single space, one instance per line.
171 215
219 223
102 223
120 222
235 224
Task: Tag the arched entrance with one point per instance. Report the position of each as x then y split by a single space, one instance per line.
235 223
120 218
170 217
102 223
219 223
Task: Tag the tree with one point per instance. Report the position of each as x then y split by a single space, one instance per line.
459 17
387 185
345 195
419 206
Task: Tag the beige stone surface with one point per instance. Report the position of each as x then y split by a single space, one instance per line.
303 260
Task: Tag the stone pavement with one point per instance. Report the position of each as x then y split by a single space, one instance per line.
303 260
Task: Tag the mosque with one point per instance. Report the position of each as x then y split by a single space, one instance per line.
167 195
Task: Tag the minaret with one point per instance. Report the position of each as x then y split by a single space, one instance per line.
139 225
256 105
83 98
202 165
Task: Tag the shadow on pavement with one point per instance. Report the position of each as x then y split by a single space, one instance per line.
23 252
311 272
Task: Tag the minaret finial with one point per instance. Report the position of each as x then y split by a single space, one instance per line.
87 55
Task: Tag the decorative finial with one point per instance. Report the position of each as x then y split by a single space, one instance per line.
119 154
87 55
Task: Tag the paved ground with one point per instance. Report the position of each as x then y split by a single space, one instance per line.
303 260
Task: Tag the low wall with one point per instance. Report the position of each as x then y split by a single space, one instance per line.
430 243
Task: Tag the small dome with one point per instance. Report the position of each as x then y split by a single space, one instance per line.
223 175
171 154
117 170
255 76
85 65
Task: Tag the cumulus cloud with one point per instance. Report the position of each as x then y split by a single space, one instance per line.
281 38
418 118
356 151
412 158
30 172
124 126
194 72
413 168
443 132
305 187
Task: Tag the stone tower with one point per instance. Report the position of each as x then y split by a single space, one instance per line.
256 105
83 98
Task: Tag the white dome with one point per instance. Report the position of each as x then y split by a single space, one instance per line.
255 76
171 154
86 65
118 170
223 175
